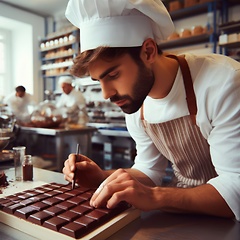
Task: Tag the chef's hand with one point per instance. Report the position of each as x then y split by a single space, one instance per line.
121 186
88 173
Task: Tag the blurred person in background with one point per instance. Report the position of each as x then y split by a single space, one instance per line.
71 100
20 103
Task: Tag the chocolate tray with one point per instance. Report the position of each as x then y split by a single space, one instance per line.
57 211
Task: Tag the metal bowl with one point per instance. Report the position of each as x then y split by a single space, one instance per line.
4 142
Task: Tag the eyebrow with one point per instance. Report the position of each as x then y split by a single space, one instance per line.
106 72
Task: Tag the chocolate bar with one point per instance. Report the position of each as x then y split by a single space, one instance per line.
59 208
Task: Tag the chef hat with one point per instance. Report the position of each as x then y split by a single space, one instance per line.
65 79
119 23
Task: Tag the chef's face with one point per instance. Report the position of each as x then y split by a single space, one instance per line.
20 94
66 87
123 81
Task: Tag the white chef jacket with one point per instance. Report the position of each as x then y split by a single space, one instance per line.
72 100
19 105
216 81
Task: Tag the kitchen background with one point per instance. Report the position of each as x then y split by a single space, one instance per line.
37 45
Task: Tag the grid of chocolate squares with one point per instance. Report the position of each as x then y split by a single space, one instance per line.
59 208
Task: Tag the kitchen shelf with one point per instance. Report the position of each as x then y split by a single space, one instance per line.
60 56
69 43
57 51
231 45
59 34
56 75
187 41
211 8
230 32
193 10
56 65
230 27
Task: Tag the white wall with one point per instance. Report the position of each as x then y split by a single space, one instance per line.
26 29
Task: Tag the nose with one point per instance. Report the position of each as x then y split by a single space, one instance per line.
107 90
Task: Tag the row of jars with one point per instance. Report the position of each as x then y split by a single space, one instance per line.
61 52
58 42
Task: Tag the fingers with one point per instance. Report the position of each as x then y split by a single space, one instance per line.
70 166
116 182
86 169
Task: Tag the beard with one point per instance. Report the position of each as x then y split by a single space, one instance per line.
143 85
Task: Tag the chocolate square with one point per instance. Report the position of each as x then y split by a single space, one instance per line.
55 223
39 217
25 212
51 201
53 210
70 216
73 229
40 206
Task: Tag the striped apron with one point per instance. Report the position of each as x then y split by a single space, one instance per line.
181 141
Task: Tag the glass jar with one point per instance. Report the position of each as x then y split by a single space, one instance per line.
19 153
27 168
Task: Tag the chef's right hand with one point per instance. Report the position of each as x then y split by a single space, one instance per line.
88 173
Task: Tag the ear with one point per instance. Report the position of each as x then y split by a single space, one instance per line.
149 50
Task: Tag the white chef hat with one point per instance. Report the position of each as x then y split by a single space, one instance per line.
119 23
65 79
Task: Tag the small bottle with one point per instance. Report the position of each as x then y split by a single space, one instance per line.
27 167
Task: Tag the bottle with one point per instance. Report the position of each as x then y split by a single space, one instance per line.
27 167
19 153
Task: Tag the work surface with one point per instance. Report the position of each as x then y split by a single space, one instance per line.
151 225
32 138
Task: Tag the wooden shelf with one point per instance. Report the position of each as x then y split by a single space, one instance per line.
186 41
230 27
60 56
231 45
59 34
192 11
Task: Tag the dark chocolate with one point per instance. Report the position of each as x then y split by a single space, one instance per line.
73 229
12 208
86 221
63 196
70 216
53 210
39 217
51 201
66 205
40 206
76 200
80 209
55 223
25 212
59 208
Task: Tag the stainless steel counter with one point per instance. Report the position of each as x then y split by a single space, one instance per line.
80 135
111 129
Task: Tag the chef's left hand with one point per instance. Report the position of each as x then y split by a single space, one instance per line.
121 186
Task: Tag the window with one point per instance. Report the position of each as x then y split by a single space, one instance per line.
5 56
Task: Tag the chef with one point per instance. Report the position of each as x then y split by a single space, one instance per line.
183 109
20 103
71 100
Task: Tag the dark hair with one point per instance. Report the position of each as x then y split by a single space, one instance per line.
82 61
20 89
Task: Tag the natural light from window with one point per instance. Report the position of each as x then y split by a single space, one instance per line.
4 61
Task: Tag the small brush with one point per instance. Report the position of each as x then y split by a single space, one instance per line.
75 172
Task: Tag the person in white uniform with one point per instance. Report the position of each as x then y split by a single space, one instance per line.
70 100
20 102
183 109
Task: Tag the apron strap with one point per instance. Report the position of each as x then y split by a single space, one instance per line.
188 84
